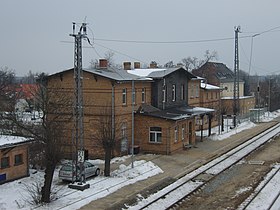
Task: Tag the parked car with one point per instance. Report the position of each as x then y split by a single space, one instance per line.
65 172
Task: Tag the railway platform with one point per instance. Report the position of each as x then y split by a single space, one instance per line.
174 167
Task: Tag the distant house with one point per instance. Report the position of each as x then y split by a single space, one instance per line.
14 158
220 75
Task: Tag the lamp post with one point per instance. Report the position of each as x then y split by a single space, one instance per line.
250 64
251 53
220 102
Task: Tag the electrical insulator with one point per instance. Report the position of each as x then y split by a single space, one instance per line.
84 28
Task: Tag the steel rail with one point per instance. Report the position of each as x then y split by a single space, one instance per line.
188 179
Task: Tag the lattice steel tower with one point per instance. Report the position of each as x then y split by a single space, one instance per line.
236 78
78 113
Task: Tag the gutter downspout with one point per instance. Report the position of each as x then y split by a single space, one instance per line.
113 110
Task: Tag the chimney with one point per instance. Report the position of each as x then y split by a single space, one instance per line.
127 65
103 63
137 65
153 65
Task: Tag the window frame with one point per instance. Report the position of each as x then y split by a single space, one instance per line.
182 92
124 96
20 162
143 95
7 164
134 96
173 93
176 134
183 132
157 132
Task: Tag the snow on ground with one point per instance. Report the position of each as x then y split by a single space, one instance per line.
13 195
268 192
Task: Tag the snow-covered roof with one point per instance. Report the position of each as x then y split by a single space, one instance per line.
175 113
143 72
111 73
240 97
8 141
209 87
158 73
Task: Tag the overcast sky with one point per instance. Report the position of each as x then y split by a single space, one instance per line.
33 32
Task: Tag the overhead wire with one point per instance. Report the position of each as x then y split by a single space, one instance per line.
164 42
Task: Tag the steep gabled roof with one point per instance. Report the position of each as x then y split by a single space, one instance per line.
218 70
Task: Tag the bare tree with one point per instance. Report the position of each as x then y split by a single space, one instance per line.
169 64
48 131
108 135
191 63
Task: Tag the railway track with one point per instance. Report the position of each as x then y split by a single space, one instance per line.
263 198
179 190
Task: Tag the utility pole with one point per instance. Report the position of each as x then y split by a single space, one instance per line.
236 78
78 156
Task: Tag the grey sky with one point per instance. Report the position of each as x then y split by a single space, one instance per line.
32 31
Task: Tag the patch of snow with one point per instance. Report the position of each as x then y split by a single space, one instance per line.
241 191
5 139
13 195
143 72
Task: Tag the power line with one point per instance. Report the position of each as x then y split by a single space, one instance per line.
120 53
168 42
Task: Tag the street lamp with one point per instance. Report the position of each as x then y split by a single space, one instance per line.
220 106
252 41
250 62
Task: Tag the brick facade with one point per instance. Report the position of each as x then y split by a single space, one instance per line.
100 93
14 170
183 130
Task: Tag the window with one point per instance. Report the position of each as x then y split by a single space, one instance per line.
143 95
176 134
182 92
163 95
134 96
155 134
192 90
18 159
207 97
123 130
173 92
5 162
197 91
183 132
124 96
